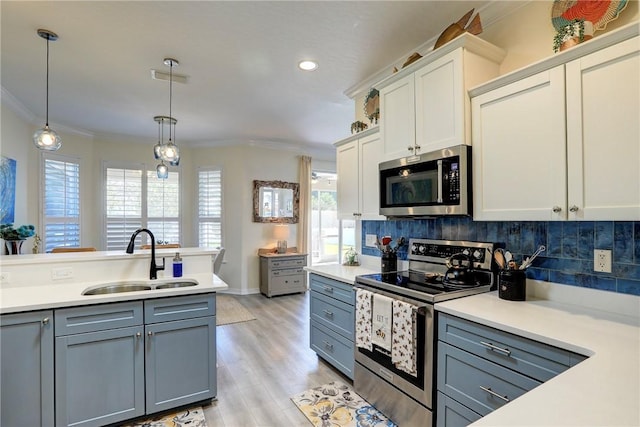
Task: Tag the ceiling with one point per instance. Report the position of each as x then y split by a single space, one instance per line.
240 58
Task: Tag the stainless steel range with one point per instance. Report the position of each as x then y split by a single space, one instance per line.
439 270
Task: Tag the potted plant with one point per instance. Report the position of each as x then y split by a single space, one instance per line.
14 237
575 32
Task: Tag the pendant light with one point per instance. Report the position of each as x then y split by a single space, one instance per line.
162 170
169 151
46 138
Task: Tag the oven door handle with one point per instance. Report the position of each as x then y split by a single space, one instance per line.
440 179
420 306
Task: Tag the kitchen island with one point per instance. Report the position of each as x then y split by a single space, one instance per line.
109 357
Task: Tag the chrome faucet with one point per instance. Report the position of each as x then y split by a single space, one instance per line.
153 270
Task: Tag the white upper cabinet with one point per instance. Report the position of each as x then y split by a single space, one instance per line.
603 134
357 160
425 107
560 139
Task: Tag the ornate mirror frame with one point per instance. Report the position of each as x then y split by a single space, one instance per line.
294 187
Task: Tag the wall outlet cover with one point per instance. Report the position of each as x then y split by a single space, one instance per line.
370 240
602 260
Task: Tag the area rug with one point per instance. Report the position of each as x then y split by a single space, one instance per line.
228 311
192 417
337 405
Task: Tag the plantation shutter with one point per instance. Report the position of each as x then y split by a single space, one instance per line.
210 208
123 204
61 217
163 207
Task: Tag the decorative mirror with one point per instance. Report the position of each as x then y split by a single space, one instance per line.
275 201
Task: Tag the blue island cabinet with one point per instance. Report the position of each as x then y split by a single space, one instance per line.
119 361
26 380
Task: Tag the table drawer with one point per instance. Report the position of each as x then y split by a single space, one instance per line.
332 288
478 384
333 347
288 263
532 358
287 272
335 315
93 318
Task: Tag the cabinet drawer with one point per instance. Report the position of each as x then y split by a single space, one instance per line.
78 320
287 272
335 315
288 263
178 308
333 347
478 384
532 358
287 285
332 288
450 413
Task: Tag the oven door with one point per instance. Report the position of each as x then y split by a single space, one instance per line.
378 361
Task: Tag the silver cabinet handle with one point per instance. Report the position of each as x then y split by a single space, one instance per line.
410 148
328 289
328 345
493 393
417 148
573 208
138 334
496 348
150 333
328 313
45 321
556 209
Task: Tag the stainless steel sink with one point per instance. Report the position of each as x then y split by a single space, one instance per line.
114 288
181 284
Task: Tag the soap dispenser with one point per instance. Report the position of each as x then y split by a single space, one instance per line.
177 265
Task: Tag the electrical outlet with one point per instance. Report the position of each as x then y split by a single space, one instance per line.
61 273
4 277
370 240
602 260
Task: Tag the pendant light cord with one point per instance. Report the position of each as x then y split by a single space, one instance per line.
47 96
170 96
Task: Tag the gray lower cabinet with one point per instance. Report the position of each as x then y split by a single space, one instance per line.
26 377
481 368
180 355
119 361
282 274
332 322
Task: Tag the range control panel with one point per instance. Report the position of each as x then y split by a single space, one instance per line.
437 251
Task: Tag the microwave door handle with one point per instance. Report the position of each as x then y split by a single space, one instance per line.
439 181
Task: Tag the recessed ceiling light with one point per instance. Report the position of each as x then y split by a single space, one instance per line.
307 65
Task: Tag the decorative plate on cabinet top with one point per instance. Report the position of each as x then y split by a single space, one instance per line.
600 12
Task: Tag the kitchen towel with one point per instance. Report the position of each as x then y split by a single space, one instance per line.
381 333
363 318
403 348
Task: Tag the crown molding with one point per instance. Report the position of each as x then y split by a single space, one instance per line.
491 13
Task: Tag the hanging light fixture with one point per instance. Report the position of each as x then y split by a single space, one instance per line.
162 170
46 138
169 152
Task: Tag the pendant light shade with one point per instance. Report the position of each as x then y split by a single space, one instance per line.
162 170
46 138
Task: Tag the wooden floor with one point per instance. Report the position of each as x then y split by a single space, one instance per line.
263 362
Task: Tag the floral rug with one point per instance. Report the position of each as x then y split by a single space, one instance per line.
192 417
337 405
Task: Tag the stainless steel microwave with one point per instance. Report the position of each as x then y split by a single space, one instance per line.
432 184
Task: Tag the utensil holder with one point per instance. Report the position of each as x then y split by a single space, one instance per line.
389 262
512 285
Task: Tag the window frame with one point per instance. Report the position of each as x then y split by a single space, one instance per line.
197 196
42 221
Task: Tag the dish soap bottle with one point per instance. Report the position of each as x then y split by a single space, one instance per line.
177 265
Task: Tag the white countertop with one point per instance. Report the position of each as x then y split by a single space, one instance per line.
19 299
340 272
603 390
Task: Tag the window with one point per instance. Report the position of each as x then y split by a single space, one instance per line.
210 208
135 198
61 201
325 226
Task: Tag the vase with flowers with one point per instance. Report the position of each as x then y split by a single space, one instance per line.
15 237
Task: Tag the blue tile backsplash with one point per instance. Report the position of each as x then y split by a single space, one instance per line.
567 260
